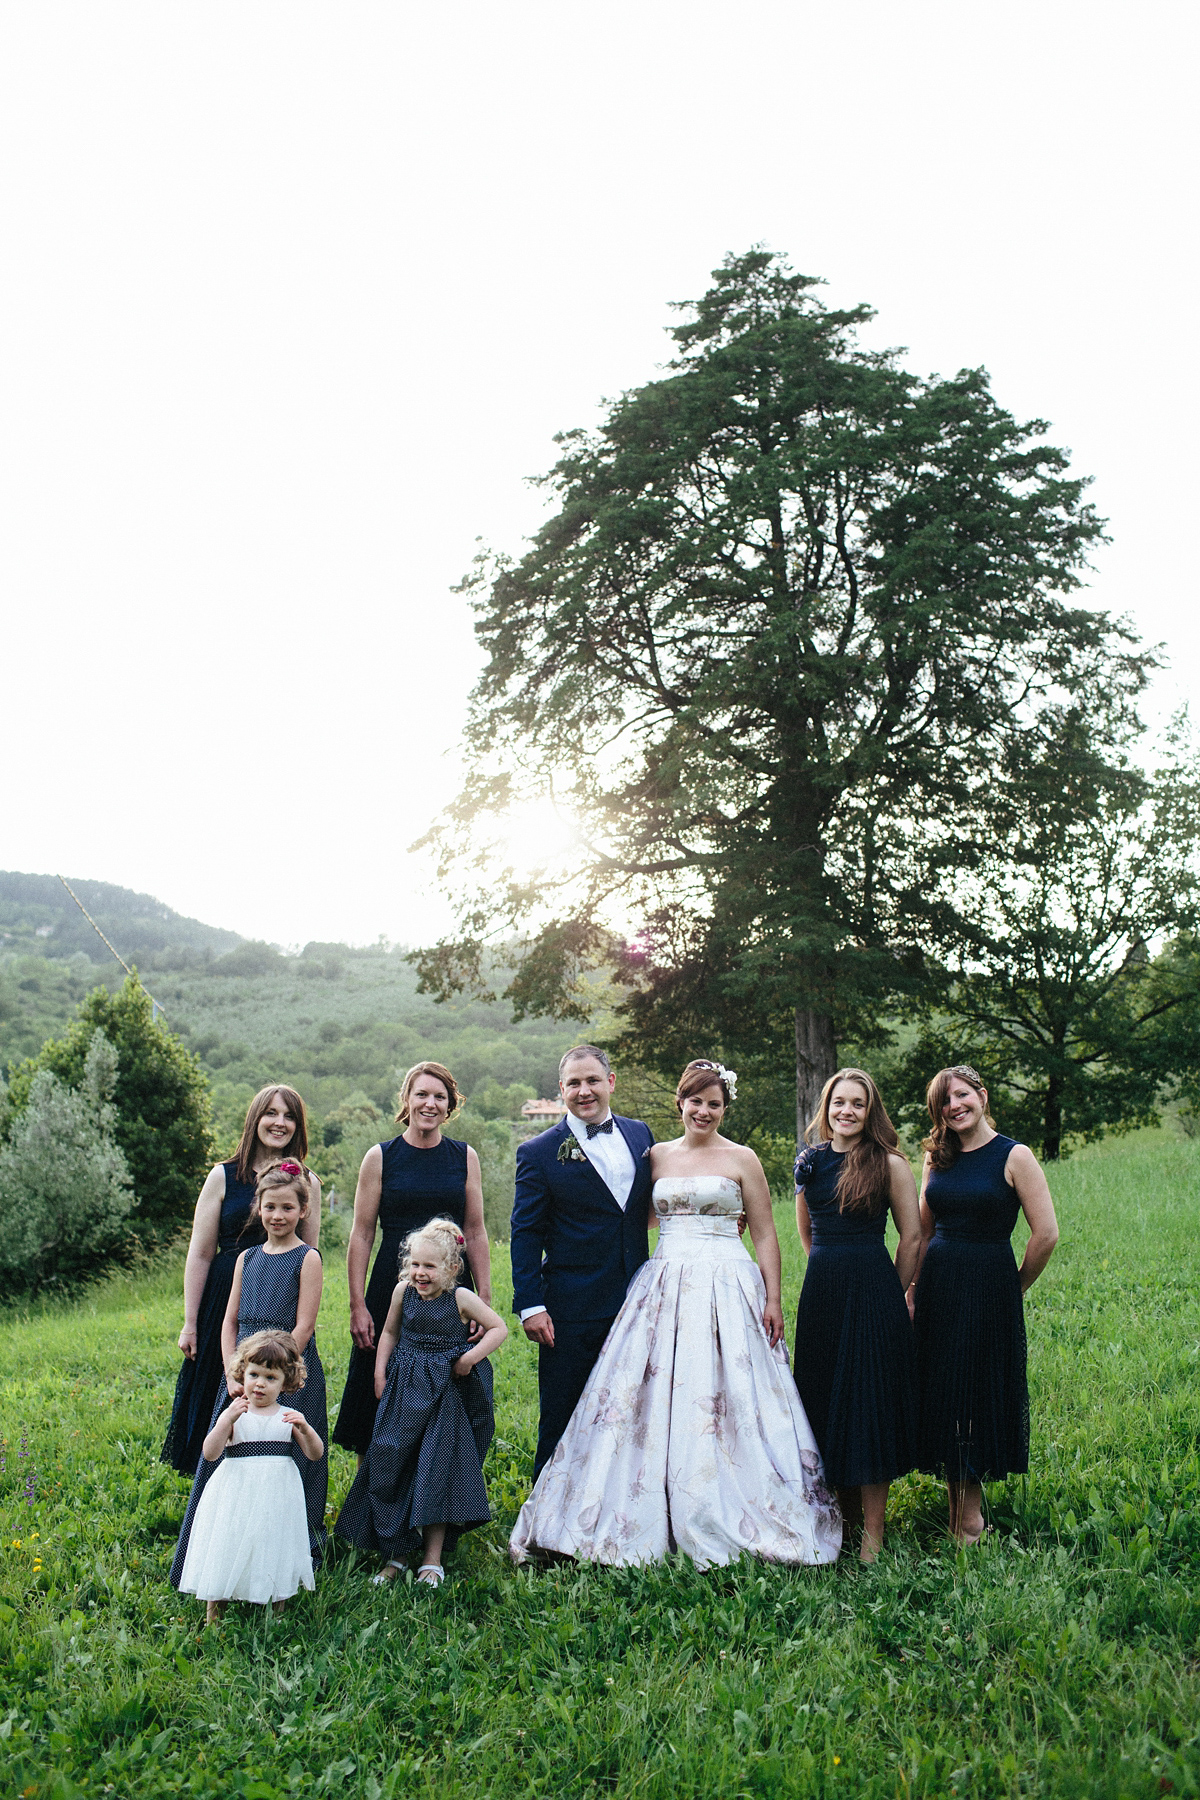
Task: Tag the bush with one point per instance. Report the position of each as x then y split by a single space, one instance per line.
65 1188
161 1100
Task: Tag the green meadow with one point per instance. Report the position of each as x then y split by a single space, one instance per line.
1060 1658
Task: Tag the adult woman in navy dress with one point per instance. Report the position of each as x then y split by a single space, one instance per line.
222 1227
967 1294
402 1184
855 1366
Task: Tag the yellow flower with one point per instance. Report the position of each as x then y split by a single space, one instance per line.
16 1543
836 1761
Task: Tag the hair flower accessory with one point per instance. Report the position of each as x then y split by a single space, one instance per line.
728 1076
290 1168
459 1238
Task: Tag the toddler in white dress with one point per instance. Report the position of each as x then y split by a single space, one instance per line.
249 1536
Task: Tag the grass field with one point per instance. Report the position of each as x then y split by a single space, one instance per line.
1061 1658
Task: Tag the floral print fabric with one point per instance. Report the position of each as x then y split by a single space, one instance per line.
690 1434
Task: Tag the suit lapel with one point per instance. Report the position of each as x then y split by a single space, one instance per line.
587 1167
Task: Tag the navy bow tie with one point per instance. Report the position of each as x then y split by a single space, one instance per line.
605 1125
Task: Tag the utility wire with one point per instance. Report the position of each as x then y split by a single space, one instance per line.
87 915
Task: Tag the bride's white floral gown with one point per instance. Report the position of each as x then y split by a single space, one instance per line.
690 1434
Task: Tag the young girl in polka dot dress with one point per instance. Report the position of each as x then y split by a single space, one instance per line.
422 1481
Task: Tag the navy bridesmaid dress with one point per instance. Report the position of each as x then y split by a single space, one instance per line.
854 1364
970 1324
418 1185
432 1432
200 1378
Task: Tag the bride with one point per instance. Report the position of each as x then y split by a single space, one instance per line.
690 1434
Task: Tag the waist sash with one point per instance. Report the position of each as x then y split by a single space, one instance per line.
271 1448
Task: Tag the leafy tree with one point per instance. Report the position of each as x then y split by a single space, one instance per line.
495 1101
1053 993
160 1097
793 600
65 1190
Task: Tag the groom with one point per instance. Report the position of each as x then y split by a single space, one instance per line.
579 1233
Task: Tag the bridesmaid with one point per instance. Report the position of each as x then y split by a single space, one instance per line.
402 1184
854 1364
221 1227
967 1289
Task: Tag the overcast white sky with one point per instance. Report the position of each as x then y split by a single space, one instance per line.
295 296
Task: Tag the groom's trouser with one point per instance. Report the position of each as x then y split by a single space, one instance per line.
562 1377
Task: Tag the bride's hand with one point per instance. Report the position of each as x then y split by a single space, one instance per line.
773 1322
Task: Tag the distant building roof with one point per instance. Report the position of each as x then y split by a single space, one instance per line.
543 1109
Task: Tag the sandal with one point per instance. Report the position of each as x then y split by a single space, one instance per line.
431 1574
385 1576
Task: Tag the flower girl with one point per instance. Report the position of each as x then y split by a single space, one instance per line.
249 1536
422 1481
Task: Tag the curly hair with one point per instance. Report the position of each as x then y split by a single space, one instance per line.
445 1239
271 1350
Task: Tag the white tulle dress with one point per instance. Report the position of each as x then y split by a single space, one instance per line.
690 1434
249 1538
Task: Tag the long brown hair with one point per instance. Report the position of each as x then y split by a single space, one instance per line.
942 1145
865 1182
297 1148
441 1073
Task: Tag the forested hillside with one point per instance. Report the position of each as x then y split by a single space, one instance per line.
336 1022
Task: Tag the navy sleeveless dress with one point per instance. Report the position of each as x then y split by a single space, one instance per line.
418 1185
970 1324
200 1379
855 1365
269 1298
432 1432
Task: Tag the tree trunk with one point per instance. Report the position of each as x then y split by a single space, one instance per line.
816 1061
1052 1113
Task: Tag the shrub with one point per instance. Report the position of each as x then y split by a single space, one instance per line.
65 1188
161 1100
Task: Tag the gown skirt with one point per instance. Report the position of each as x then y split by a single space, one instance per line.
249 1536
969 1322
855 1358
417 1185
432 1432
270 1292
690 1435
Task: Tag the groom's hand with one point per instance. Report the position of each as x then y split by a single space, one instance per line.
539 1329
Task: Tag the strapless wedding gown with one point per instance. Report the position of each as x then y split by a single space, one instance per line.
690 1434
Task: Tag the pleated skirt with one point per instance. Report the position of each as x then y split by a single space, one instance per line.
855 1363
971 1362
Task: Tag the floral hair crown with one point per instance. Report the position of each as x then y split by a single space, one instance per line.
728 1076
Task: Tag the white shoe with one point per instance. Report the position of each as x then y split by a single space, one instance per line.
431 1574
384 1579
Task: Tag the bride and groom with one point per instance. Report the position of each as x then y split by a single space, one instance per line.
669 1419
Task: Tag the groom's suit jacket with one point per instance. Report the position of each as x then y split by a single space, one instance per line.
574 1251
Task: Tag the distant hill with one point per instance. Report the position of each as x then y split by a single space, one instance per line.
336 1021
39 918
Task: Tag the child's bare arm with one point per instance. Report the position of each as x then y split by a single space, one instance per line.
222 1431
305 1436
388 1338
470 1306
229 1322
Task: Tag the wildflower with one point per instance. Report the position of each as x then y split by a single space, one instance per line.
16 1543
836 1761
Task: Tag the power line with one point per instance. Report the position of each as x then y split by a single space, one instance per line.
154 1006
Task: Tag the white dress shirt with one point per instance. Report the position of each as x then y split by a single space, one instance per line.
612 1160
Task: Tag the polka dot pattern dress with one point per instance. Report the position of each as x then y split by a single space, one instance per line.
432 1432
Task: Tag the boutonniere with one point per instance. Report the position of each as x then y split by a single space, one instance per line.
569 1150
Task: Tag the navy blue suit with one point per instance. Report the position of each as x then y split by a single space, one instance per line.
574 1251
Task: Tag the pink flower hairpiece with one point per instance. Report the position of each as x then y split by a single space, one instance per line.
290 1168
459 1238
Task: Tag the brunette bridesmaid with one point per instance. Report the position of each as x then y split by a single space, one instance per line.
225 1223
967 1296
854 1365
402 1184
